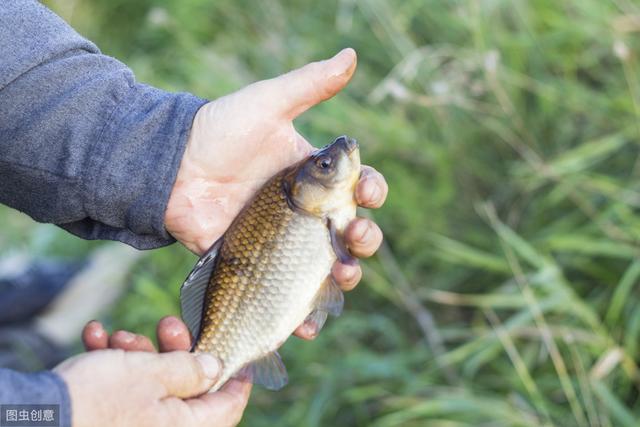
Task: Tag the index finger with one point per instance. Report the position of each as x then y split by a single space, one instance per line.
224 407
372 188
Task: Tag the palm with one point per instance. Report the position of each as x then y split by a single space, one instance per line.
231 153
238 141
262 157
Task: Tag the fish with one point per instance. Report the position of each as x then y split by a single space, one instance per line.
271 270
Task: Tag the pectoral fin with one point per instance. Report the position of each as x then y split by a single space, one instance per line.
329 298
316 320
193 290
339 246
269 371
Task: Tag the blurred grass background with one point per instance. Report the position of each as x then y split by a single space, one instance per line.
506 291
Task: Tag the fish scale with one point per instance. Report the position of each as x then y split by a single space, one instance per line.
270 272
254 293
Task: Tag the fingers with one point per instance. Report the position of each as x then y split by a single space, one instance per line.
224 407
306 331
183 374
363 237
372 188
173 335
307 86
346 276
128 341
94 337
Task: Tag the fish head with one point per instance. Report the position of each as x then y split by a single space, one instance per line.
324 183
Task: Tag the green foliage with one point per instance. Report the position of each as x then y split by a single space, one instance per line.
506 292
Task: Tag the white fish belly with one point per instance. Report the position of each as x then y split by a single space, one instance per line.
300 263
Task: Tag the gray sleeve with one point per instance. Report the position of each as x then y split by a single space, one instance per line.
82 144
41 388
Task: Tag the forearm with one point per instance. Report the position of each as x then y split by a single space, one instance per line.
82 145
42 388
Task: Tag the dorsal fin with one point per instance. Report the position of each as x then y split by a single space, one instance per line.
194 288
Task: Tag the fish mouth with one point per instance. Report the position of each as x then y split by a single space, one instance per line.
349 145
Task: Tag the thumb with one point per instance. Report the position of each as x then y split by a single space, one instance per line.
301 89
185 374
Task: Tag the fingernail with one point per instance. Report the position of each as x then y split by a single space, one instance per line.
210 365
126 336
344 58
97 333
172 328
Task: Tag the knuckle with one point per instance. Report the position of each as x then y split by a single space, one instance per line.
196 371
348 276
372 190
364 235
318 80
134 361
201 247
185 360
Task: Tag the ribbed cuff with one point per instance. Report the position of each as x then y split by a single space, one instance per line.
40 388
133 166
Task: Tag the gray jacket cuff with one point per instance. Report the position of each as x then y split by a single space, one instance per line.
40 388
82 145
132 167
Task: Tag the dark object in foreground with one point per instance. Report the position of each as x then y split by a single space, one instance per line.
271 270
25 294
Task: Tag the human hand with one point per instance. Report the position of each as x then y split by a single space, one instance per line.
239 141
171 333
113 387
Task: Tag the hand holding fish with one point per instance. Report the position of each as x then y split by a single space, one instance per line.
237 144
119 388
171 335
239 141
149 389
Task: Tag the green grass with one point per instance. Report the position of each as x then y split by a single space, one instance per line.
507 290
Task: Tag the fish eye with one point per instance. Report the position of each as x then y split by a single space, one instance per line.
323 162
